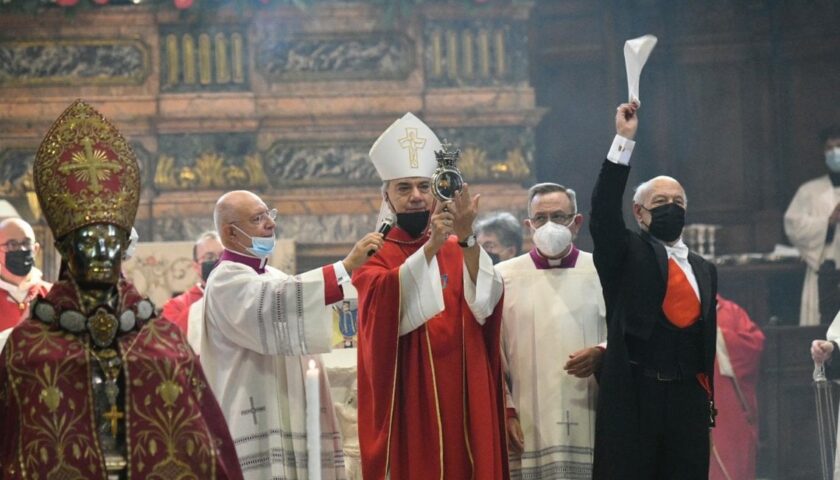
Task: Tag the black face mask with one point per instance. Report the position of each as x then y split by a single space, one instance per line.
666 221
414 223
20 263
206 268
494 257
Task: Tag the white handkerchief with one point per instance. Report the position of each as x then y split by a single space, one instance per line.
636 52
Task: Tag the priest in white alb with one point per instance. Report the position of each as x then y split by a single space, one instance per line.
261 328
553 334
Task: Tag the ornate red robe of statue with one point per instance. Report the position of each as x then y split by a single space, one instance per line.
430 401
91 386
735 437
173 424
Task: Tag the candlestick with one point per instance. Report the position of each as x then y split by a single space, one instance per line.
313 421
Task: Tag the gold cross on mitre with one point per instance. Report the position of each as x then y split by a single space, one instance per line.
91 166
114 416
413 143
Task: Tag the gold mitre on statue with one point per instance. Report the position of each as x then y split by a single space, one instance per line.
85 173
405 149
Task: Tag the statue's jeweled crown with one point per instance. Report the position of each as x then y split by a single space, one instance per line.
85 172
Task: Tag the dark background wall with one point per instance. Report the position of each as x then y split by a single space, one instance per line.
733 97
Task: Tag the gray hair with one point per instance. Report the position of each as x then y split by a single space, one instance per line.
548 187
506 228
204 236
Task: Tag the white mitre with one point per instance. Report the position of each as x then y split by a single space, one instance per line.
405 149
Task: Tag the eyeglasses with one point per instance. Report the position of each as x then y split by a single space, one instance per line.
14 245
263 217
561 218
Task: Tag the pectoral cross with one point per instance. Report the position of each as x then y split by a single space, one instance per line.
91 166
114 416
412 143
568 423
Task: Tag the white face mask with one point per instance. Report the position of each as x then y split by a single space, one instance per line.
832 159
261 247
552 238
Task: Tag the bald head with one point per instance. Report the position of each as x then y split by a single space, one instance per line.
661 185
15 235
240 215
15 228
656 192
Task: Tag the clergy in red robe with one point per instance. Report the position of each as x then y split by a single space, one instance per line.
92 384
735 438
430 399
20 280
206 252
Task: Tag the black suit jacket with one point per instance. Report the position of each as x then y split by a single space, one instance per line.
633 268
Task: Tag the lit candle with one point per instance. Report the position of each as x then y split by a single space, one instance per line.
313 422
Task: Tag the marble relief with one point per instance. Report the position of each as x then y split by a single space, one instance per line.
73 62
287 163
372 56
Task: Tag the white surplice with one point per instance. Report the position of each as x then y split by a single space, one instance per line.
806 226
260 331
548 315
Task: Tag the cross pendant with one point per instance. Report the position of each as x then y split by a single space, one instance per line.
114 416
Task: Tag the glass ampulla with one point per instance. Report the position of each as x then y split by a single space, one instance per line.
447 180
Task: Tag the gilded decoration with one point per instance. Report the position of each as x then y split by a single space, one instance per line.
73 62
465 53
203 58
493 153
86 173
209 161
210 171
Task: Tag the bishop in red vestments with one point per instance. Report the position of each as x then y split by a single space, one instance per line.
430 402
735 439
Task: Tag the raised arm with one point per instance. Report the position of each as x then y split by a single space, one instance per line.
606 221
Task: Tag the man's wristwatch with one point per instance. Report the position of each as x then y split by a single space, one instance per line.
468 242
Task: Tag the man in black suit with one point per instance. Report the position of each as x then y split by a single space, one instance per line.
656 400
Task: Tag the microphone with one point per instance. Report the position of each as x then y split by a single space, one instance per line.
387 224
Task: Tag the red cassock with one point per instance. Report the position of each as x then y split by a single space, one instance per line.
430 402
736 434
174 426
12 312
177 309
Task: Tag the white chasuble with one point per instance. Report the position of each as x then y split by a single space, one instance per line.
548 315
259 333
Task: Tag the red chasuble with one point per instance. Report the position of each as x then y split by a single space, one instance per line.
430 402
736 434
12 312
174 426
177 309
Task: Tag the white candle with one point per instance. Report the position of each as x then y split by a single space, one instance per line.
313 421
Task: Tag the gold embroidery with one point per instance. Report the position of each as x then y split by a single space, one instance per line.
69 181
90 166
412 143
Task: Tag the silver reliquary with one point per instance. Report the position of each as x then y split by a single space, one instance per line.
447 180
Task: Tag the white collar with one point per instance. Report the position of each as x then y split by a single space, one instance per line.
679 249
